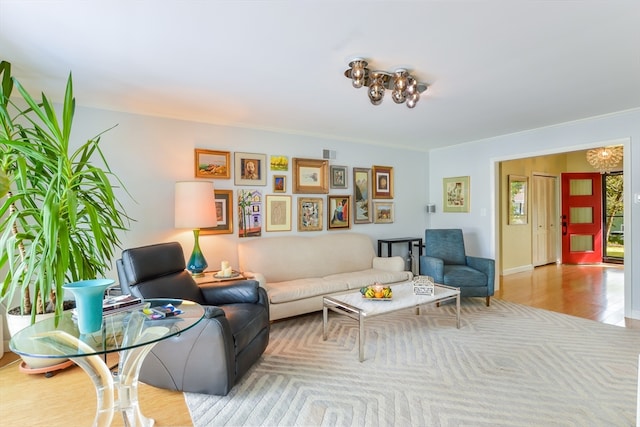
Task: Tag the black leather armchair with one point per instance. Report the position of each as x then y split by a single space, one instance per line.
213 355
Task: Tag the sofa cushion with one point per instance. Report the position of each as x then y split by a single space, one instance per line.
293 290
281 259
358 279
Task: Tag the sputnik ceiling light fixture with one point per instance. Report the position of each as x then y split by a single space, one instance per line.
403 86
605 159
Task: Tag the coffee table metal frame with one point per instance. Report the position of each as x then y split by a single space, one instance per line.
356 307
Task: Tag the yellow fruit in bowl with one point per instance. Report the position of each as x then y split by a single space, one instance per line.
379 294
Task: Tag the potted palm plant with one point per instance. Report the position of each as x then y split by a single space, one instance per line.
59 220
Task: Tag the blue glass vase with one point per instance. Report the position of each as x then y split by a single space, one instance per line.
89 295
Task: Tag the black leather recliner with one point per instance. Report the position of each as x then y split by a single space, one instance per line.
213 355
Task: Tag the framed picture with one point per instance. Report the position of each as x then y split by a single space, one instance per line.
279 184
517 199
383 212
250 169
382 182
455 194
338 212
310 176
310 213
279 163
249 213
278 216
224 210
212 164
338 177
361 195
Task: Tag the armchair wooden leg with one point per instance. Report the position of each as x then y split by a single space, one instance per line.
488 301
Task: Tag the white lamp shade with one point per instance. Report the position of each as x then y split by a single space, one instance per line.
195 205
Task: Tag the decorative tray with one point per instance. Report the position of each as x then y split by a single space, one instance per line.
220 276
377 292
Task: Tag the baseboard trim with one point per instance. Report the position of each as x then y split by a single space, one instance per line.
515 270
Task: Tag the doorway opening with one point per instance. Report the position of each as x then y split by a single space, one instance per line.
613 221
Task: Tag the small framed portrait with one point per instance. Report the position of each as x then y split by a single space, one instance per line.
279 184
279 163
382 182
224 211
278 215
212 164
310 176
383 212
250 169
455 194
338 177
310 213
338 212
362 196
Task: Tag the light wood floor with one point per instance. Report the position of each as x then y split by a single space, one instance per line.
68 398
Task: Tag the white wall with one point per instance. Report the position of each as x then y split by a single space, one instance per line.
478 160
151 154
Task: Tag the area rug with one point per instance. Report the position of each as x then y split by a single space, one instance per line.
507 365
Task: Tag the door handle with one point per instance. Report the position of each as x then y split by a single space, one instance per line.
564 228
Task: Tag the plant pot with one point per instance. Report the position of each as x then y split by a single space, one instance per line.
89 296
17 322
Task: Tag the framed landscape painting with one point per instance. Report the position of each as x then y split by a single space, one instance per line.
361 195
212 164
383 212
310 176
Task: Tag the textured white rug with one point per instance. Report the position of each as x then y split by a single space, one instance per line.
508 365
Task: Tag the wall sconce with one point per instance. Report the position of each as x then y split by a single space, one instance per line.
431 208
605 159
195 208
403 86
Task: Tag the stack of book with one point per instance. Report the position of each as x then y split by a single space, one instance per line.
119 303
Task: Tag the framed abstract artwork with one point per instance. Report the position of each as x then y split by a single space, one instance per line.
455 194
278 213
310 213
279 183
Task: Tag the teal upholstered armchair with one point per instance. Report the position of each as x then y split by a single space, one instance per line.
446 261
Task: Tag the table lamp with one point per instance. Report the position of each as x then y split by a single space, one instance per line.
195 208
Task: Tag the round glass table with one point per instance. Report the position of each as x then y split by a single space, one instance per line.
130 332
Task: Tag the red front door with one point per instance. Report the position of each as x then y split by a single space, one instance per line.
581 218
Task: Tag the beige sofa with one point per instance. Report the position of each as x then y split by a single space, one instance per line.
298 271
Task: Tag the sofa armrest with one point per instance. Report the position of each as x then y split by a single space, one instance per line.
487 266
244 291
431 266
394 263
259 277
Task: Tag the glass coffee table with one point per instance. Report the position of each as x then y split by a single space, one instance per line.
129 332
358 308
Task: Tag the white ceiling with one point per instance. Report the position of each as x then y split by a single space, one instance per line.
494 67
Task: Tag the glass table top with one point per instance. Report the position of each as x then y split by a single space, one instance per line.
120 331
